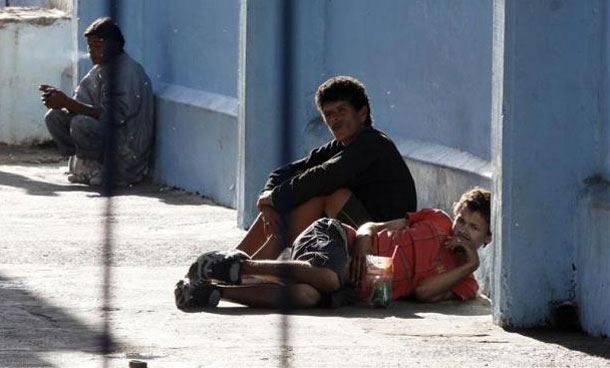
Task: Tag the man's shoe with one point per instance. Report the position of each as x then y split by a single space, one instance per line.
93 168
221 266
78 179
85 171
96 180
197 294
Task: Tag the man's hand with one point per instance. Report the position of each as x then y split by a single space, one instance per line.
438 287
45 87
264 199
363 245
462 246
271 219
52 97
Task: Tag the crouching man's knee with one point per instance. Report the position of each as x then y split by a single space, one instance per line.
55 117
80 125
87 130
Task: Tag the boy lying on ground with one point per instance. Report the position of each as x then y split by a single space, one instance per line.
434 261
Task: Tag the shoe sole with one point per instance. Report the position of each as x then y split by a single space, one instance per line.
214 298
178 299
75 179
234 273
194 273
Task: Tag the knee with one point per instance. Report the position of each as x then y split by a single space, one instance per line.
53 117
316 201
78 126
303 295
334 202
340 195
329 280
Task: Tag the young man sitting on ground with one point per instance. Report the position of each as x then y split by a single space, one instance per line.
357 177
79 125
434 261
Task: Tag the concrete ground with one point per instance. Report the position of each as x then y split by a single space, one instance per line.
51 279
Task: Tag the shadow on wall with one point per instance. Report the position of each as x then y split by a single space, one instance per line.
31 325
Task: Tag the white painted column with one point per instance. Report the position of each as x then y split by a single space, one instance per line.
35 48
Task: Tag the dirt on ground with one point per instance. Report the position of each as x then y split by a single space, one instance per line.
53 309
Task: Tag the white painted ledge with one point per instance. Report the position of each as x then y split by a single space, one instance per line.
443 156
213 102
30 15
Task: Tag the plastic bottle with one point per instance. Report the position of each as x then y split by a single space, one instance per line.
376 287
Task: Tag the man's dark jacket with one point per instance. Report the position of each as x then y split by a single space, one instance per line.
370 166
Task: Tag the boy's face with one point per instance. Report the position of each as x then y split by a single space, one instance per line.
343 121
472 228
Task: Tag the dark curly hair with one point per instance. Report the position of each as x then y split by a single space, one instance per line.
478 200
342 88
106 29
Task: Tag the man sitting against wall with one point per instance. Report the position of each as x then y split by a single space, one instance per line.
78 124
434 258
357 177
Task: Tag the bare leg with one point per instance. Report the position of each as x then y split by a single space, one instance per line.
272 295
293 272
258 246
303 287
255 237
271 249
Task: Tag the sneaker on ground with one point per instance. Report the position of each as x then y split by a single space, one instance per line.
84 170
221 266
197 294
78 179
96 180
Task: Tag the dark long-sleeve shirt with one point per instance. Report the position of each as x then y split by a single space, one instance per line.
370 166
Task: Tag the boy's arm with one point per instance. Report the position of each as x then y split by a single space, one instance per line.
438 288
363 244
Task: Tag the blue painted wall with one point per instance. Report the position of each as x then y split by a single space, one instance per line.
261 100
416 94
428 68
193 44
190 43
592 292
550 107
190 51
426 64
593 226
417 59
